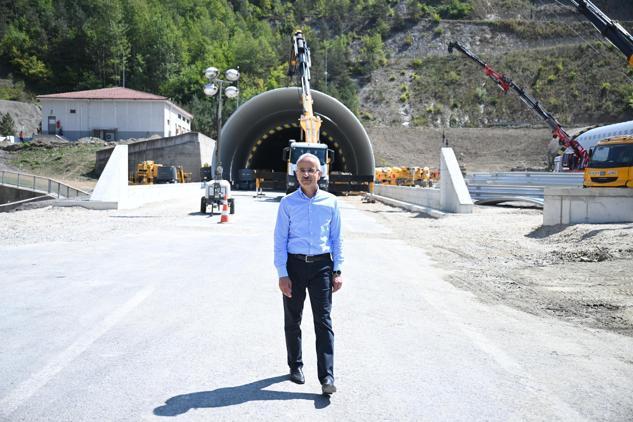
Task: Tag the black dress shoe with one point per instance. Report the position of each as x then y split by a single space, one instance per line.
328 386
296 376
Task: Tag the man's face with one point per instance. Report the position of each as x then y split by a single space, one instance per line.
308 173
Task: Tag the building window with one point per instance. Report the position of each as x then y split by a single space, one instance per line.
73 111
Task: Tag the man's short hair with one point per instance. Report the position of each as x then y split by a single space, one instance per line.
309 155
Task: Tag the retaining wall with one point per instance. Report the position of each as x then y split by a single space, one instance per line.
591 205
425 197
9 194
190 150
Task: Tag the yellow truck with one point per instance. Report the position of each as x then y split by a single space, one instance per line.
611 164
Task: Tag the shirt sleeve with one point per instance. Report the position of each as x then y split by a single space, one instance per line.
335 238
282 227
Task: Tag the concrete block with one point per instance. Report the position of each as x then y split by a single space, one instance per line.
424 197
592 205
454 195
431 212
112 185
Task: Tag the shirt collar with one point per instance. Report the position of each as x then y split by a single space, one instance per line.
304 196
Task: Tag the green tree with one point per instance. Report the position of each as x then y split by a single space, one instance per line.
371 54
7 125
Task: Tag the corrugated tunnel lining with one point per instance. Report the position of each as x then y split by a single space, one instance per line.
256 133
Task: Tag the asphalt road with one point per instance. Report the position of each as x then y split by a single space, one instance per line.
178 317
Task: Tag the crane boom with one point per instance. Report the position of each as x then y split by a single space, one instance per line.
505 83
300 64
611 30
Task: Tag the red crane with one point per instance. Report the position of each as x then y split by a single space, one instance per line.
505 83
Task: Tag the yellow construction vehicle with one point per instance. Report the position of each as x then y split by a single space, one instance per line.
299 64
145 173
406 176
382 175
148 172
611 163
182 176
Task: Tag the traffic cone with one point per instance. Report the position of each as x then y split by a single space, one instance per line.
225 211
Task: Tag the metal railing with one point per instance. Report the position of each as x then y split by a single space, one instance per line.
517 186
40 184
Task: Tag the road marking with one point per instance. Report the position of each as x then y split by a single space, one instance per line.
24 391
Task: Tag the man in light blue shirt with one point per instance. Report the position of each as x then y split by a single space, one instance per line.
308 255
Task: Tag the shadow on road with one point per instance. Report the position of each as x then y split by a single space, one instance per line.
231 396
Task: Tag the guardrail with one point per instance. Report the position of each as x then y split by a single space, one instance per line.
40 184
497 187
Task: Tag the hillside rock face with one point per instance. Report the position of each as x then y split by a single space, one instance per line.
27 116
552 52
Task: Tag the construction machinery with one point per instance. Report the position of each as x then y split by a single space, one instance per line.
206 172
145 174
611 30
148 172
299 65
246 179
581 156
171 174
611 163
406 176
215 192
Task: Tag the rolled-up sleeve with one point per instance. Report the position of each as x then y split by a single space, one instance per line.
281 239
336 239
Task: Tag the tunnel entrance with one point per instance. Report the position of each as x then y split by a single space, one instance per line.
257 132
266 150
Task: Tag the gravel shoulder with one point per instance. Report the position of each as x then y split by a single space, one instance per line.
580 273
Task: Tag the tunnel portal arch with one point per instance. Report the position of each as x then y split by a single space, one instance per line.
256 133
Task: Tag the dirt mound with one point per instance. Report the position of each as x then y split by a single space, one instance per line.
493 149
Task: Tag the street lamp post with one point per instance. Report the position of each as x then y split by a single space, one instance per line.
214 86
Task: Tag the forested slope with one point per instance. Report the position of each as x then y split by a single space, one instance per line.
385 59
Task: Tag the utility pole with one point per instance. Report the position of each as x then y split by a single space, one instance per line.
325 72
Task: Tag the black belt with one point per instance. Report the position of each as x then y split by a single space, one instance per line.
310 258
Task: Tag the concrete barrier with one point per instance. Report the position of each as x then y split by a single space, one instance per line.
113 192
112 186
454 195
451 197
592 205
190 150
424 197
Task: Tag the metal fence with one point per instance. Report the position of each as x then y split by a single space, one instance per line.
519 186
40 184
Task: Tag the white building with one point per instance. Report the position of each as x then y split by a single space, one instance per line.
112 114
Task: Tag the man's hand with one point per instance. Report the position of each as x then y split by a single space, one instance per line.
285 285
337 282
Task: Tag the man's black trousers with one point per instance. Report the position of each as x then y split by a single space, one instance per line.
316 277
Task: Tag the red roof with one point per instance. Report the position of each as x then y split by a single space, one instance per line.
116 93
